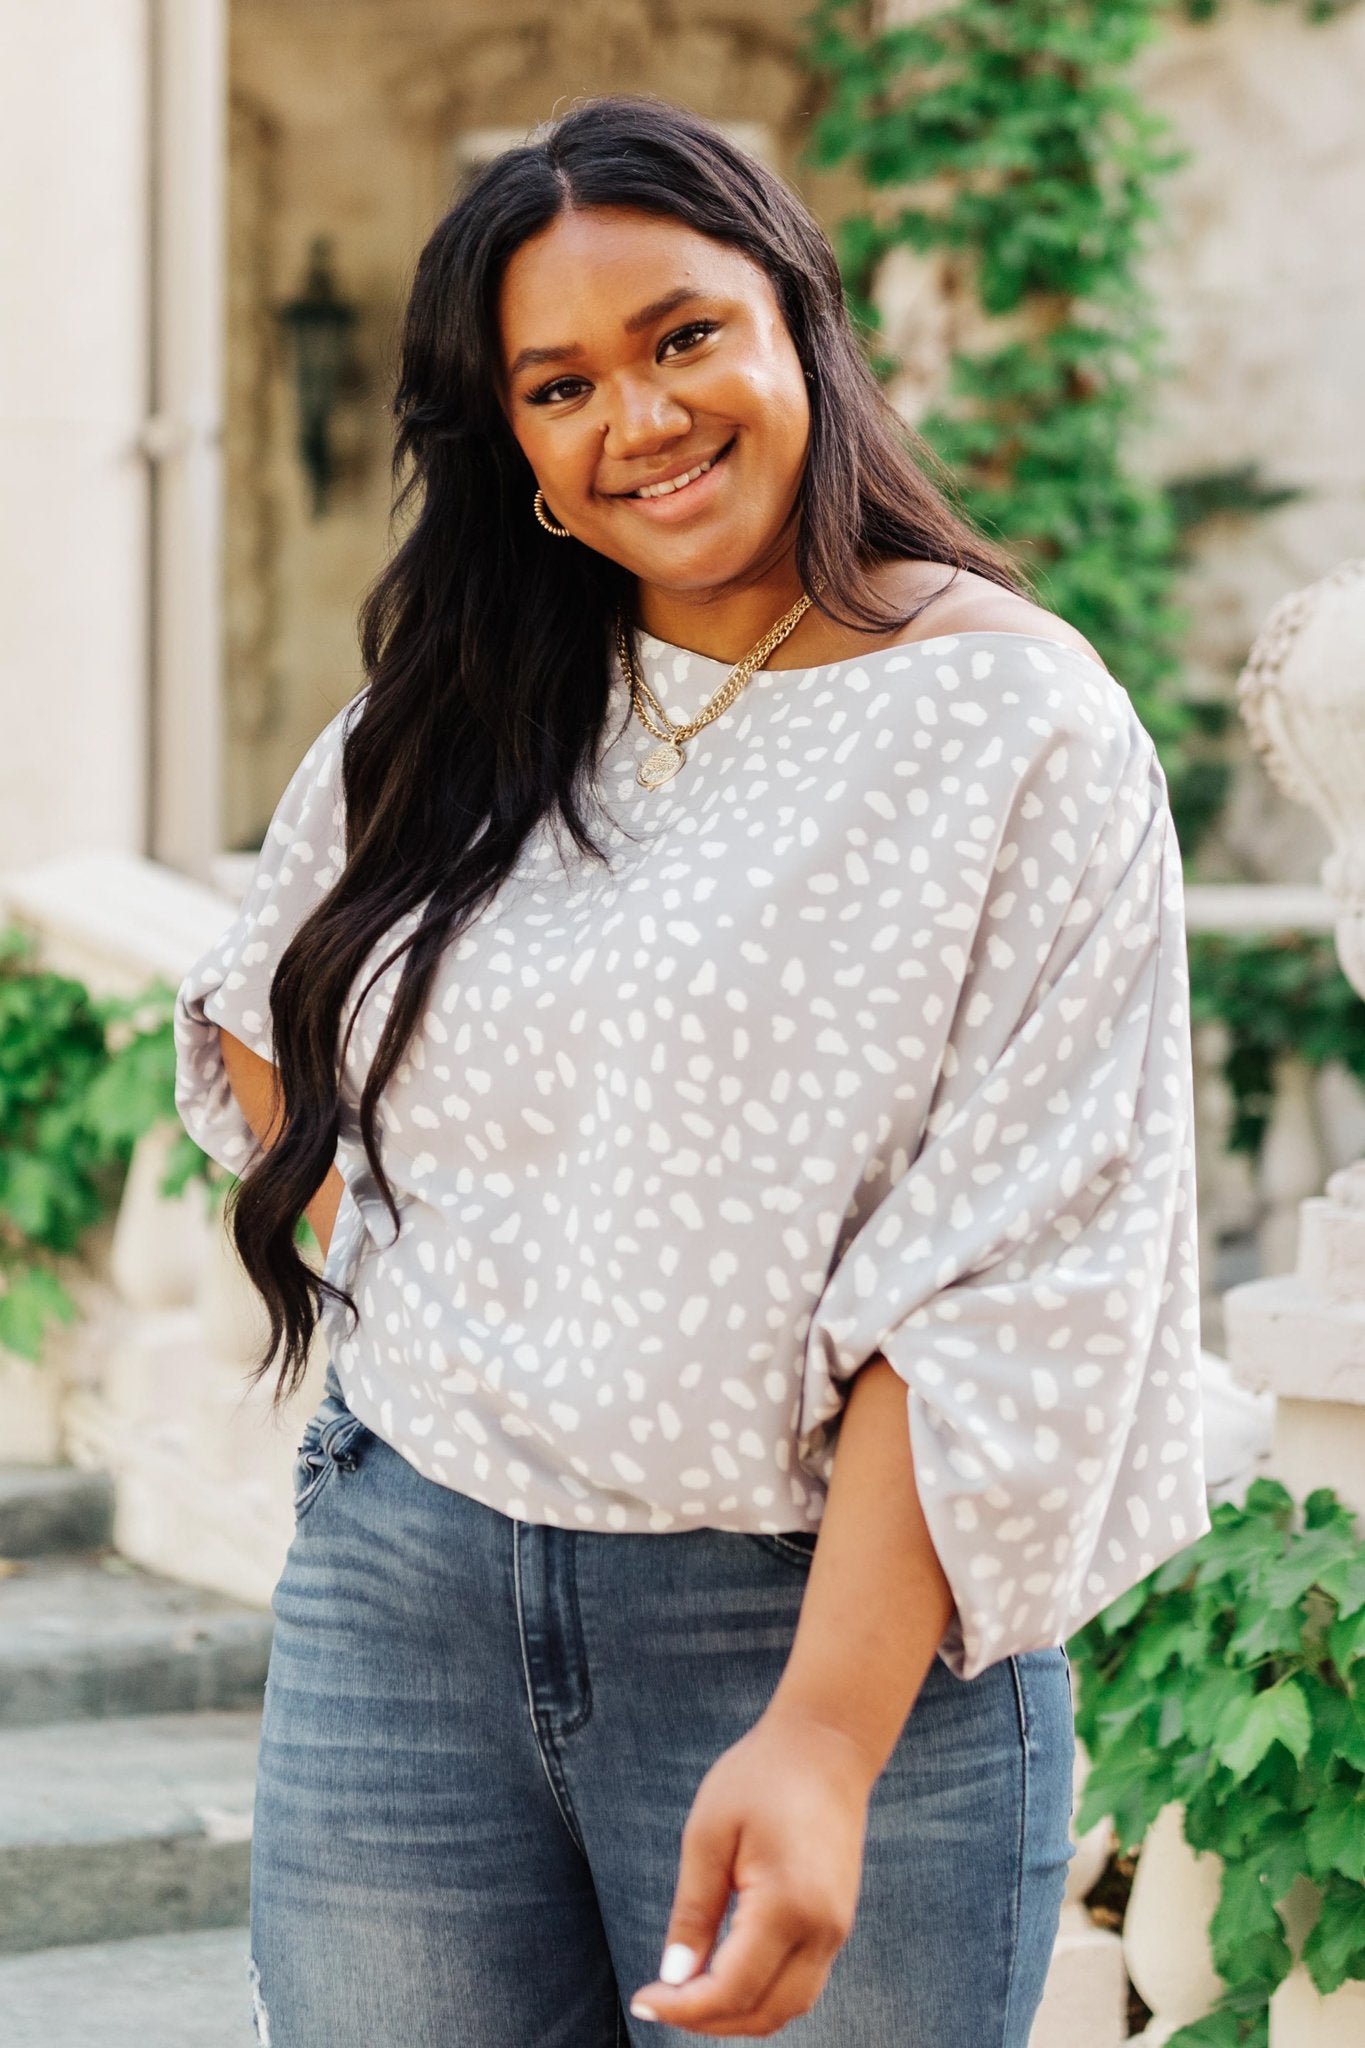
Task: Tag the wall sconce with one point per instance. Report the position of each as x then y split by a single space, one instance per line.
319 324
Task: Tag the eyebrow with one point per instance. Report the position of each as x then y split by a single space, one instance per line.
657 309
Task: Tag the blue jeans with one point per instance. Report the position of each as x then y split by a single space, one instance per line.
481 1740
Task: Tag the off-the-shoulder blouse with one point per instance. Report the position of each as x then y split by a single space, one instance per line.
871 1039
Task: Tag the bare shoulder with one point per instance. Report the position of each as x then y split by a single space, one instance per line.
969 603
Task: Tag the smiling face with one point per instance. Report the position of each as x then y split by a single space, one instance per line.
654 388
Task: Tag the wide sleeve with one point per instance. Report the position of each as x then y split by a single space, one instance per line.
1032 1274
302 855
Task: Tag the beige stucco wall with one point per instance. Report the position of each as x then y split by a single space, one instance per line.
1261 291
346 118
1260 297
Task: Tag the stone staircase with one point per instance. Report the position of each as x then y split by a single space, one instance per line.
129 1719
129 1716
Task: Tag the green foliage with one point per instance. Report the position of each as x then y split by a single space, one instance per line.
1011 139
1233 1681
1278 997
1222 494
1316 10
80 1081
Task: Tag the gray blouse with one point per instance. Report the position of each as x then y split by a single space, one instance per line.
872 1038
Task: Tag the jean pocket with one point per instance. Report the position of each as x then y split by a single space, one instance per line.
797 1546
331 1442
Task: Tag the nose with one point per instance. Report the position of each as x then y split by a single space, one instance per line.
643 418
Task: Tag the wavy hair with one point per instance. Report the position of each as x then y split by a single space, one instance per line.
486 644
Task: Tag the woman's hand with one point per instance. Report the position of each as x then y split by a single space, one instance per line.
780 1819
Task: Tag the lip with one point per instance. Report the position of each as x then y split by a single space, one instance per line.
692 493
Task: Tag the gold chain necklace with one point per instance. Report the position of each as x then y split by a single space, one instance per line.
662 763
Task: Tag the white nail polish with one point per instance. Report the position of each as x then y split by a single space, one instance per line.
642 2011
679 1963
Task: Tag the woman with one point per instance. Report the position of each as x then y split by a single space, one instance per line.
799 1140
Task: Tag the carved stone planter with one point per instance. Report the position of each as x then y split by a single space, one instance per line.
1300 2017
1166 1928
1086 1997
1302 697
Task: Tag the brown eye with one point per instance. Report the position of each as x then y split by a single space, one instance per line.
689 336
544 393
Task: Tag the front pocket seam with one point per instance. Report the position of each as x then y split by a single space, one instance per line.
335 1445
778 1545
304 1500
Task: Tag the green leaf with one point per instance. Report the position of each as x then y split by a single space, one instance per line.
1246 1933
1246 1732
1345 1582
1174 1575
1224 2028
1322 1510
1272 1631
32 1302
1274 1840
1331 1550
1128 1791
1176 1638
1120 1612
1334 1951
1170 1721
1221 1697
80 1081
1335 1837
1269 1500
1349 1742
30 1194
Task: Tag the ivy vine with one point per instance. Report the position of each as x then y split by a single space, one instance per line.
80 1081
1232 1680
1280 997
1316 10
1008 136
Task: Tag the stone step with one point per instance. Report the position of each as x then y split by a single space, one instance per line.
98 1636
161 1991
50 1508
111 1829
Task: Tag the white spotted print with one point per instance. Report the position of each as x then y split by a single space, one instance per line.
872 1040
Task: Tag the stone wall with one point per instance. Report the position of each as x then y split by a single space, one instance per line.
1261 294
1261 302
349 117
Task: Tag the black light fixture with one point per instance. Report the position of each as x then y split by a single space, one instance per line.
319 323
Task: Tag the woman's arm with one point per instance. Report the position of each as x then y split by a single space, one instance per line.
255 1084
780 1818
877 1605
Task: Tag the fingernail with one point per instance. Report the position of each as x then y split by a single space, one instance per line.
679 1963
642 2011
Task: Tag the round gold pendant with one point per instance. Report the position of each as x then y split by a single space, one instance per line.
660 765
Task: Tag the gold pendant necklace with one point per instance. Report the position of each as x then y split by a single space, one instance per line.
662 763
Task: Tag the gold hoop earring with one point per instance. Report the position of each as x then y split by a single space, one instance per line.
543 515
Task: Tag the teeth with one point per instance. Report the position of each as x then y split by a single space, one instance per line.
675 483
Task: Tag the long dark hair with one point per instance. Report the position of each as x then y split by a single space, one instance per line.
486 642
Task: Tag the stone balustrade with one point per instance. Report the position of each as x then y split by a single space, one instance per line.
1302 1335
1297 1335
152 1385
1317 1123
